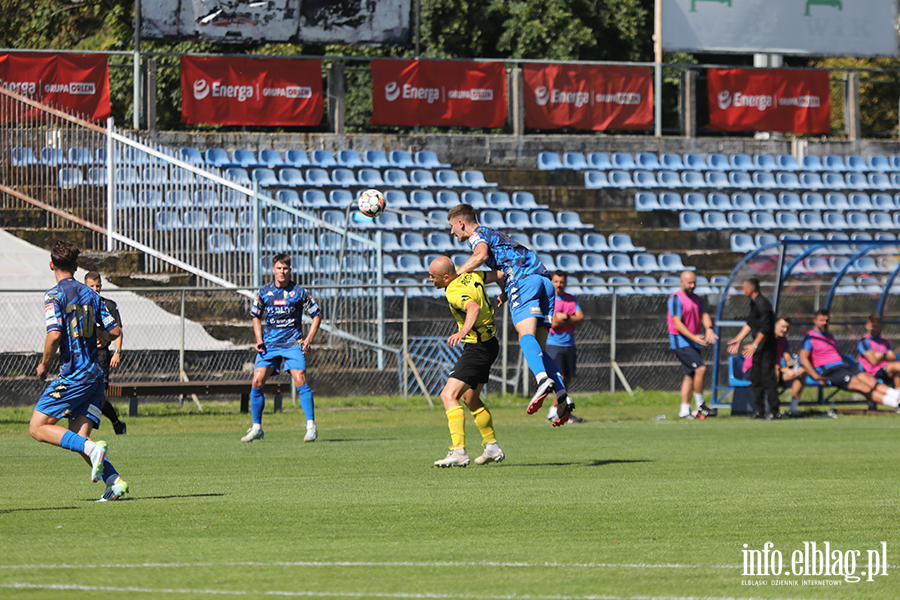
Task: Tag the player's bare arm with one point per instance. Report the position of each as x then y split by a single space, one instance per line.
51 345
806 361
306 342
108 335
472 312
734 343
258 332
683 330
478 258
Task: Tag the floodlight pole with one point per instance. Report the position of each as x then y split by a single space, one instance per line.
657 68
137 65
776 296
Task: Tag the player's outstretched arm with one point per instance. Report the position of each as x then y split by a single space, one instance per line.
478 258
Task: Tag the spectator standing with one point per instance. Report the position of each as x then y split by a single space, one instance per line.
690 328
567 316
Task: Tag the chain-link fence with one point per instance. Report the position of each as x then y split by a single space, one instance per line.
207 335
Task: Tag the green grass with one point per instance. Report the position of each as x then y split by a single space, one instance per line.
621 506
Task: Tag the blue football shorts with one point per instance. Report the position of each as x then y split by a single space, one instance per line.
272 358
66 399
532 296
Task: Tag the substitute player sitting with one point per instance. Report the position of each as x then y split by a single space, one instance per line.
75 318
821 358
530 297
876 356
282 304
474 315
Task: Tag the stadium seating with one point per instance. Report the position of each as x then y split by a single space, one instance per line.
575 160
296 158
599 161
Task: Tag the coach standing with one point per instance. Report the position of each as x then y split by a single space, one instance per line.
690 327
764 348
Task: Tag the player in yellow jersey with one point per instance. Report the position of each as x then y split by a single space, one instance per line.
474 314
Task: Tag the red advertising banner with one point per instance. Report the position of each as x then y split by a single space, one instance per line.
76 83
786 100
430 92
591 97
251 91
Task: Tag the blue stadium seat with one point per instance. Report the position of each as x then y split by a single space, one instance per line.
544 242
276 242
265 177
719 201
811 181
568 219
350 159
414 219
621 286
763 220
646 201
645 262
596 179
499 201
542 219
343 177
575 161
53 157
879 181
812 220
526 201
279 219
570 242
243 242
645 179
834 181
593 262
791 201
195 219
691 201
24 157
242 157
595 242
77 156
568 262
787 162
317 177
619 179
447 198
860 201
422 199
668 179
624 161
492 218
325 263
881 220
296 158
369 177
619 262
715 219
672 263
883 202
401 159
853 219
547 260
692 179
70 177
690 220
671 161
323 159
289 197
880 163
764 180
238 175
167 220
742 243
621 242
389 220
181 199
315 199
740 179
150 199
837 201
594 286
219 243
741 162
439 215
422 178
396 178
834 162
426 159
857 181
768 201
476 199
695 162
856 163
764 162
206 198
549 161
440 241
814 201
717 180
648 160
475 178
376 159
765 239
448 178
739 220
788 181
717 161
647 285
342 199
811 163
413 242
599 161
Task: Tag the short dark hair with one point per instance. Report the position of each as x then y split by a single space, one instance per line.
282 257
464 211
560 273
875 319
92 276
64 256
753 282
822 311
783 318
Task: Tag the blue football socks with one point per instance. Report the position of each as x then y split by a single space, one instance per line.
532 351
72 441
553 371
306 402
257 404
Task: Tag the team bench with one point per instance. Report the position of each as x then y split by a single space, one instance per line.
133 390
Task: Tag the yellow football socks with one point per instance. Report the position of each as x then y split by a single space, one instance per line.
456 418
485 425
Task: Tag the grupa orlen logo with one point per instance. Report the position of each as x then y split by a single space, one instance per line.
542 95
392 91
724 99
201 89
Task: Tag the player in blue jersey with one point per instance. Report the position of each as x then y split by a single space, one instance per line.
280 306
529 294
75 318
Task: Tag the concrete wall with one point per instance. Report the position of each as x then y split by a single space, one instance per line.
512 152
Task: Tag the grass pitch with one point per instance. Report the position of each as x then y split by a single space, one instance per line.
621 506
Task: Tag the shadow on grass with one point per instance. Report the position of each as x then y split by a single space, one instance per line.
22 421
169 497
330 440
5 511
591 463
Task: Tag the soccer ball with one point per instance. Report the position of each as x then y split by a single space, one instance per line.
370 203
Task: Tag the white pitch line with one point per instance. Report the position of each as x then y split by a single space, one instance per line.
305 594
427 565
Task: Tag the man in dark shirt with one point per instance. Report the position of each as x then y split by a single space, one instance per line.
106 358
764 348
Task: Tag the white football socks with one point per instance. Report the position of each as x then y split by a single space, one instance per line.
891 398
698 400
